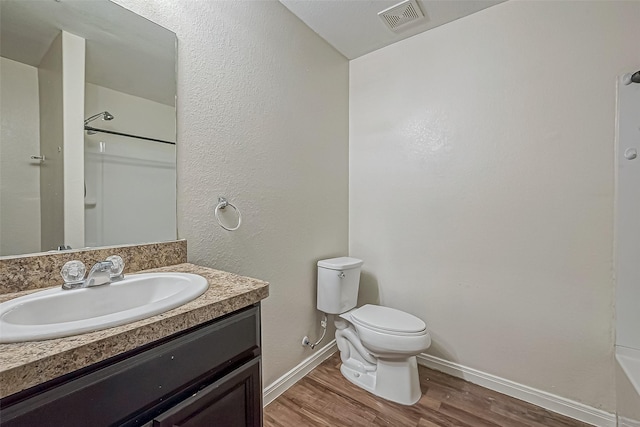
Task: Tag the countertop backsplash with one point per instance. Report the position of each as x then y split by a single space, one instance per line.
42 270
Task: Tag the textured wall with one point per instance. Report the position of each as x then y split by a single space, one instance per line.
19 175
262 120
482 186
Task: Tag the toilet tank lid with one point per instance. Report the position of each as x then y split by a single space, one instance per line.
387 319
342 263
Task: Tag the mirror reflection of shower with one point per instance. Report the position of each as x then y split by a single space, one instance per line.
129 166
105 115
105 75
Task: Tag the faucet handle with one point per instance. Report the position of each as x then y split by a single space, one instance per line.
73 272
117 267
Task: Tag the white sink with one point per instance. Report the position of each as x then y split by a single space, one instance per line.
56 313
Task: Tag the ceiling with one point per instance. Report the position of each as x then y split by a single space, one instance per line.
354 28
128 53
124 51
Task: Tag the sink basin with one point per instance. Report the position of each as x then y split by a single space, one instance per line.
56 313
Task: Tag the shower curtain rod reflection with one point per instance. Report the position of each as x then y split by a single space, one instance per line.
113 132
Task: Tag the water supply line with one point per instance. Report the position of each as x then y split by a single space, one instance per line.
306 342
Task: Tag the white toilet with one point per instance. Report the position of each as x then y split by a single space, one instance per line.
378 345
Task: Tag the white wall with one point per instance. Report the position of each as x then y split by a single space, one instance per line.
627 396
627 251
122 171
61 95
19 175
262 120
482 186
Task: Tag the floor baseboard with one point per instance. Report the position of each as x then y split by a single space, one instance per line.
628 422
279 386
537 397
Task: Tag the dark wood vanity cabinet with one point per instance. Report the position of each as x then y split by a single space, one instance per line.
206 376
227 402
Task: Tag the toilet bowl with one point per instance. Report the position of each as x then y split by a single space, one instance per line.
378 345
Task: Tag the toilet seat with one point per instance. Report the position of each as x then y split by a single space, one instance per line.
387 320
389 333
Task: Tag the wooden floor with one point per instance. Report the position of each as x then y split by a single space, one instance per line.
325 398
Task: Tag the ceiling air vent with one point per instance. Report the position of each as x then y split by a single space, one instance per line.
397 17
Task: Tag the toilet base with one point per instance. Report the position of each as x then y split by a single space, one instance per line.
396 380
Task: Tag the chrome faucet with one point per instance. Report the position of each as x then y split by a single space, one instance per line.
102 273
99 274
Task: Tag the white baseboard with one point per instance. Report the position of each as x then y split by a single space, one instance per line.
281 385
628 422
537 397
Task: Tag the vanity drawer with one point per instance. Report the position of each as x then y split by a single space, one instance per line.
137 384
232 401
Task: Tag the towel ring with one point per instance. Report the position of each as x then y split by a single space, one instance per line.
222 204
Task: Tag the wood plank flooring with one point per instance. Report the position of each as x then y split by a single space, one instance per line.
325 398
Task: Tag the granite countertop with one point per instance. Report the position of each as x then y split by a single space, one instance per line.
26 364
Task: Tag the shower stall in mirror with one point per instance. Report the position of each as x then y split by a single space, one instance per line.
130 171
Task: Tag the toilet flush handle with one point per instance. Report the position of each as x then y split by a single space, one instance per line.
341 275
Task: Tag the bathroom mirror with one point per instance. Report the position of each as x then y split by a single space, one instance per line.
87 132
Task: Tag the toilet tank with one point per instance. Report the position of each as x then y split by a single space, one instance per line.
338 282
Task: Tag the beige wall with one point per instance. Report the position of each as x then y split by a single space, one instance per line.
73 64
61 95
262 120
19 175
482 186
51 142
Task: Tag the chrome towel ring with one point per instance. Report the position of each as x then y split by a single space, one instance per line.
222 204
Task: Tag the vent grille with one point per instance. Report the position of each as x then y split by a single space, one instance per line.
401 15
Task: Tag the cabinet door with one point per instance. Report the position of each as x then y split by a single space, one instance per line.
233 401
